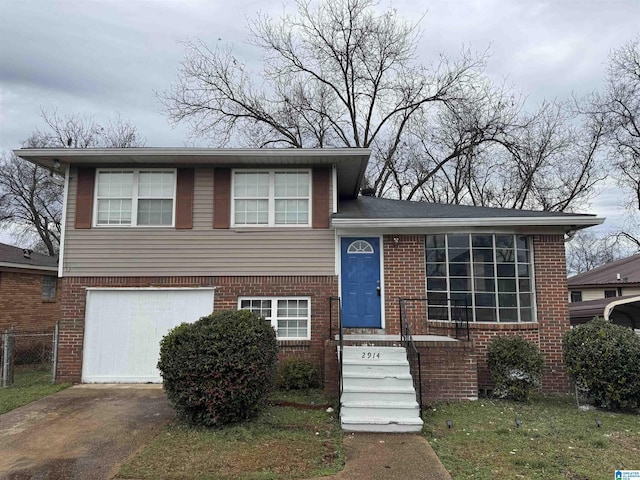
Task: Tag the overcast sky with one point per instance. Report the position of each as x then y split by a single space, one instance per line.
108 57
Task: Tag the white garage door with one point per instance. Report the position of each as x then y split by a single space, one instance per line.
123 329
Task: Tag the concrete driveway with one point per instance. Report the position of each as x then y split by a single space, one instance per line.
86 431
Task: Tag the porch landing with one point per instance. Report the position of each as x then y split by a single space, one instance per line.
379 337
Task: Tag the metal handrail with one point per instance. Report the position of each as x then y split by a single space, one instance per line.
410 347
459 316
340 342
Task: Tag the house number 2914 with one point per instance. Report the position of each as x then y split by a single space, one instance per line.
370 355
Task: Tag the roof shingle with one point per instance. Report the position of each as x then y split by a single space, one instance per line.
15 255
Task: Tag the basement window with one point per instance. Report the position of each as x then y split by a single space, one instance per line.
49 287
289 316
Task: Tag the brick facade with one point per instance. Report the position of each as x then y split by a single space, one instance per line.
21 304
228 289
451 370
404 271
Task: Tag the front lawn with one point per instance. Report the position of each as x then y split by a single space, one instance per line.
30 384
555 440
284 442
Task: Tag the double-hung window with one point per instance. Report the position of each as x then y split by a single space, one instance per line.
135 197
271 197
289 316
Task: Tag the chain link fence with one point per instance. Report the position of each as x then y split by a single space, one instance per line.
28 357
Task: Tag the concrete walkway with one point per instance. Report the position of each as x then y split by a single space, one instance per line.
386 456
83 432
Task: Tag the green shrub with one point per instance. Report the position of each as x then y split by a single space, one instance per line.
516 367
297 374
604 360
219 369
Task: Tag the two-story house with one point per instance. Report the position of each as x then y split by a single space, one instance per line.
158 236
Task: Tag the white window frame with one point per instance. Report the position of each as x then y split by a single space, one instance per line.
134 197
274 313
271 223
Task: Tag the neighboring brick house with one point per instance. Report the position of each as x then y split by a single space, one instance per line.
155 237
29 293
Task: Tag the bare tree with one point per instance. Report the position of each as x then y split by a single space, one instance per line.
586 251
618 107
343 73
34 200
31 196
76 130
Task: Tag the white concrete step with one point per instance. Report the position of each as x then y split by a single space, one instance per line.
374 354
377 391
387 369
379 424
380 393
372 409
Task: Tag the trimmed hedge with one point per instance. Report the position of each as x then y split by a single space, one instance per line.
297 374
516 367
219 369
604 360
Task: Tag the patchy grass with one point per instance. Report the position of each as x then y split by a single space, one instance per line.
282 443
554 441
29 385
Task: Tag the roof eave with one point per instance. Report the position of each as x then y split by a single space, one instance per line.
351 163
25 266
567 223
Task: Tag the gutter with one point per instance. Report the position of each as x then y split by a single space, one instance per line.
569 222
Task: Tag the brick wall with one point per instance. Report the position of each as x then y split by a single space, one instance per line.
21 304
553 308
404 264
449 371
404 275
228 289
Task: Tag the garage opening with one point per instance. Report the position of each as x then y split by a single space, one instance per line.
124 326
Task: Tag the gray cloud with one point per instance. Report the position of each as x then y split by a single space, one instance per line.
108 57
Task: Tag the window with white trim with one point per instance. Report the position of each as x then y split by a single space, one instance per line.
491 274
135 197
271 197
289 316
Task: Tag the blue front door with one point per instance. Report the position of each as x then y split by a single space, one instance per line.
360 274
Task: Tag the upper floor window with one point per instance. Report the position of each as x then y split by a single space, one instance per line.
610 293
576 296
271 197
135 197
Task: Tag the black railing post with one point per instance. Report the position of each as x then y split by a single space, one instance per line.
413 355
340 343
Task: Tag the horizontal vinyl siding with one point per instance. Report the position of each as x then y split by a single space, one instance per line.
198 251
598 293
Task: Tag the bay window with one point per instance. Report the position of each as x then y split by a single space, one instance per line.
491 274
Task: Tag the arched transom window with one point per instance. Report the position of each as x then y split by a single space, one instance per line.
360 246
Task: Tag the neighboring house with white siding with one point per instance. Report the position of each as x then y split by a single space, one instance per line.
153 237
620 278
